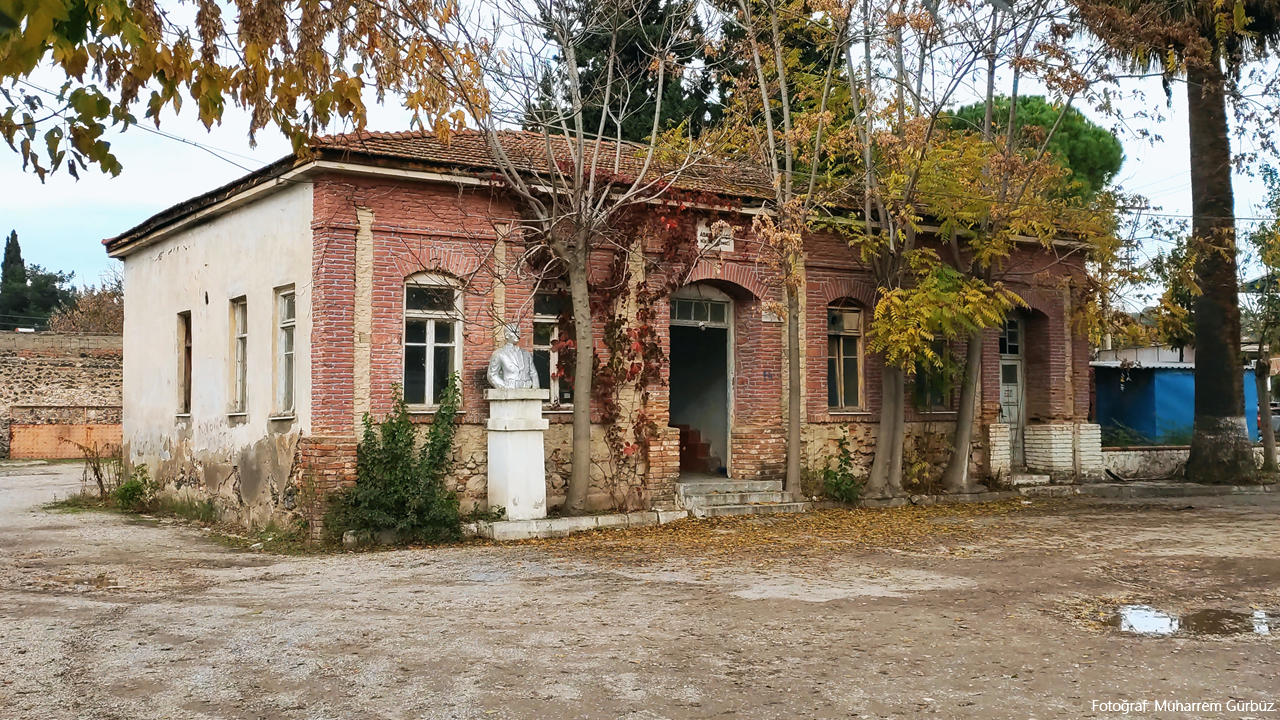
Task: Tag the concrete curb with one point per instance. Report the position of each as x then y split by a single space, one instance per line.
562 527
507 530
1134 490
1153 490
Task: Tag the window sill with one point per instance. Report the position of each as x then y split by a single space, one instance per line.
238 415
429 410
283 418
183 416
849 412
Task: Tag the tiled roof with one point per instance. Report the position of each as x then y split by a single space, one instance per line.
465 152
468 150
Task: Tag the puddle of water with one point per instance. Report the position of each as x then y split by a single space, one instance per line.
1146 620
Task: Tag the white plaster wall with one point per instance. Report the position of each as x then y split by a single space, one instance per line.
250 251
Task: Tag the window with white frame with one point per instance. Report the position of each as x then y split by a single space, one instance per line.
286 321
240 351
547 310
844 355
432 338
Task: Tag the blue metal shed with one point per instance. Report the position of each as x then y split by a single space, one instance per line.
1158 400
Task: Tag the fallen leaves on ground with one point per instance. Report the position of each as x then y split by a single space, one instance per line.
1093 613
766 539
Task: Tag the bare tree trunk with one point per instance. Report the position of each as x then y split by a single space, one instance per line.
1261 373
1220 448
795 388
583 354
956 477
886 470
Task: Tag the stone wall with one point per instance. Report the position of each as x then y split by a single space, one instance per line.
926 450
1138 463
58 371
611 486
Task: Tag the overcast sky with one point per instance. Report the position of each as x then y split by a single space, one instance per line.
62 222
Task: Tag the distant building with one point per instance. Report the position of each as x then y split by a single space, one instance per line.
1143 395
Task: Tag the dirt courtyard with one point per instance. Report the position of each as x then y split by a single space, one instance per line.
1000 611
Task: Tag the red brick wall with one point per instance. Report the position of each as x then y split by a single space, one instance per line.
440 228
323 465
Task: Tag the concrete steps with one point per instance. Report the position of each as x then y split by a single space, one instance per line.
739 498
715 498
765 509
708 487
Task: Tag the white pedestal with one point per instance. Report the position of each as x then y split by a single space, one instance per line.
517 466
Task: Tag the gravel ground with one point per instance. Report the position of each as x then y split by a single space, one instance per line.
105 616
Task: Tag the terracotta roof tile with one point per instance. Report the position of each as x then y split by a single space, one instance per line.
468 150
465 152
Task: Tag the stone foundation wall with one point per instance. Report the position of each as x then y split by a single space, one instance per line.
926 450
614 484
1138 463
1089 453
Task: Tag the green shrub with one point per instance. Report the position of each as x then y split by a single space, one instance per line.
131 495
399 486
203 511
840 482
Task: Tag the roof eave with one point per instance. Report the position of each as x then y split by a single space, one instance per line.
256 184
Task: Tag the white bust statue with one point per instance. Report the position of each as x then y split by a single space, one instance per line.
511 367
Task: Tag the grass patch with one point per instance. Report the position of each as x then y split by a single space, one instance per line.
80 502
274 538
281 540
203 512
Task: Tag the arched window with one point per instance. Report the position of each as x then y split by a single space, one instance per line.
432 337
844 355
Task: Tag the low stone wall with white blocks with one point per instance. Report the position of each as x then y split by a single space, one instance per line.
1067 452
998 443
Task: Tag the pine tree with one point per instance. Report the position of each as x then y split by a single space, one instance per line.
1091 152
14 270
13 282
686 98
28 295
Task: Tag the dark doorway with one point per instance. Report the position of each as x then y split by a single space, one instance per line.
700 396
